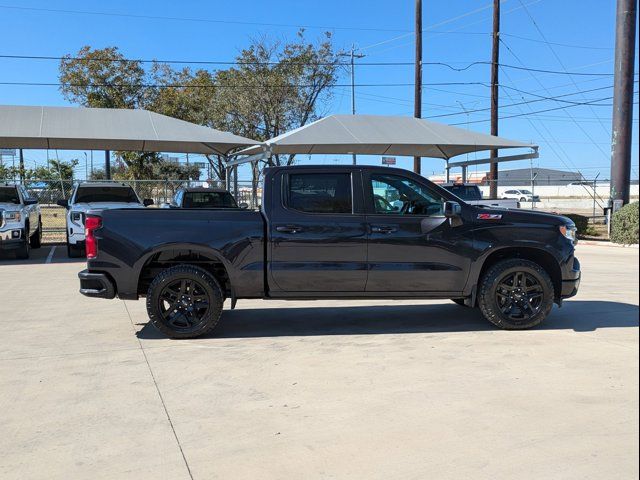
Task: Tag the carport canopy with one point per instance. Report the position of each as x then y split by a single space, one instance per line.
72 128
381 135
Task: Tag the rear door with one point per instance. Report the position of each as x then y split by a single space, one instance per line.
412 248
318 232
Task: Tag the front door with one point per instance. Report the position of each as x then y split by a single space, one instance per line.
412 247
318 233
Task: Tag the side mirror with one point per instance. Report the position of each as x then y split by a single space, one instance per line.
63 203
244 205
452 209
147 201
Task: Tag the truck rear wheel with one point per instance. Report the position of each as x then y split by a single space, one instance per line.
516 294
184 302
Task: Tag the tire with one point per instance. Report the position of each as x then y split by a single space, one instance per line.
508 302
459 301
23 252
36 238
73 251
522 199
172 308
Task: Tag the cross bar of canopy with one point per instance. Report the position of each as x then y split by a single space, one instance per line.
71 128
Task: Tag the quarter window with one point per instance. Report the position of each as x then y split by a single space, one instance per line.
320 192
397 195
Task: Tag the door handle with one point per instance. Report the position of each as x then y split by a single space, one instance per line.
289 229
382 229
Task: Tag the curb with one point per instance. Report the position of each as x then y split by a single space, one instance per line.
605 243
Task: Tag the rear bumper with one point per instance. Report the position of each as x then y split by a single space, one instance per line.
571 280
96 285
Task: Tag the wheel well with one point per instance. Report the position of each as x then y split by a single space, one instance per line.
542 258
169 258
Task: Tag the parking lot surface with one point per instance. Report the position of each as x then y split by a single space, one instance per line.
322 389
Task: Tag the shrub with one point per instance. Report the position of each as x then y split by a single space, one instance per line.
582 222
624 224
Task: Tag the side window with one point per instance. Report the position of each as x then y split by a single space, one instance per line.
398 195
320 192
178 198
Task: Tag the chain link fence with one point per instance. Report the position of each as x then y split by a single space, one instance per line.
49 192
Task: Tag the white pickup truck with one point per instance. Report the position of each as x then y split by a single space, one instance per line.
20 220
94 196
472 195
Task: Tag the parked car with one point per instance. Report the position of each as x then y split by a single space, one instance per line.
472 195
333 233
20 220
202 197
94 197
521 195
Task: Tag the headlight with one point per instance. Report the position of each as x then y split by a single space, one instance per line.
76 217
569 231
12 216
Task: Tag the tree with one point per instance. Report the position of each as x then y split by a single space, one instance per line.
104 78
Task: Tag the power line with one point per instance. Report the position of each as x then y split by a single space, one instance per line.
197 20
567 45
237 63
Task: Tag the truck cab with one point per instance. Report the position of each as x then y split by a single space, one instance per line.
20 220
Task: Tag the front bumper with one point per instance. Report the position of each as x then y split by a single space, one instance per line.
12 239
571 283
96 285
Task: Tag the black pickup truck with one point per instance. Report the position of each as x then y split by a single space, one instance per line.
331 233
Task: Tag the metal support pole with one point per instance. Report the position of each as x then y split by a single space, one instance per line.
417 107
464 174
495 56
447 170
21 166
623 102
235 180
91 164
107 164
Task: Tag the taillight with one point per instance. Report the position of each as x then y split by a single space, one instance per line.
90 241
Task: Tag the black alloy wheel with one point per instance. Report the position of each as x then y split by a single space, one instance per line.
519 296
183 303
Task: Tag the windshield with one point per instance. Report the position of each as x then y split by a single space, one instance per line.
9 195
106 194
465 192
208 200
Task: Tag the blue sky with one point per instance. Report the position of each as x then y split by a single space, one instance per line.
570 36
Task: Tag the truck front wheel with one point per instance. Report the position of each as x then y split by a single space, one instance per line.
516 294
184 302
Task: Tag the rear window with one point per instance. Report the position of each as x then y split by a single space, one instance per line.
320 192
465 192
9 195
106 194
208 200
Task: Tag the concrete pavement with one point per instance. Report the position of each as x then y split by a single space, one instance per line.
376 389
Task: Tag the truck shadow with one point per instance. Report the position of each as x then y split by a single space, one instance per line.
577 315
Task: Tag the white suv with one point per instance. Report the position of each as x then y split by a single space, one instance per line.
20 221
94 196
521 195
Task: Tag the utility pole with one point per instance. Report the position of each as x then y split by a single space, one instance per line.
107 164
417 108
353 85
91 164
623 103
495 56
21 166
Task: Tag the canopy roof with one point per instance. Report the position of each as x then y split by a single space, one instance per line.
71 128
382 135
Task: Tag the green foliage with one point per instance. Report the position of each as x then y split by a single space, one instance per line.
583 225
624 225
